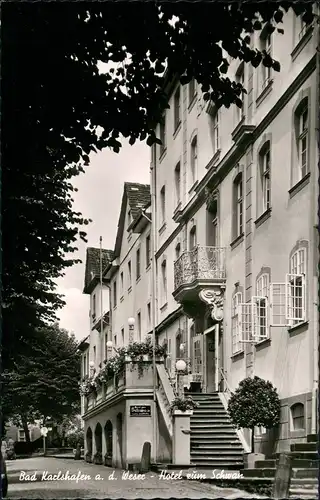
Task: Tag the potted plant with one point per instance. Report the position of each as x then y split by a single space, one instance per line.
255 403
183 405
87 386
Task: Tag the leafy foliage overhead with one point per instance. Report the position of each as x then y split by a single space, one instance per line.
46 383
58 107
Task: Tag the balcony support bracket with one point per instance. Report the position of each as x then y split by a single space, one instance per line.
213 297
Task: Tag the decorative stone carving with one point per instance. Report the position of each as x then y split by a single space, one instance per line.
214 299
211 199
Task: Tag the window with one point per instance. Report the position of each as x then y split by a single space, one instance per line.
138 264
236 301
122 336
178 251
296 282
22 436
297 417
302 141
238 208
177 183
261 301
265 179
168 359
121 283
114 294
94 354
192 90
129 274
163 135
288 300
193 160
216 136
149 314
148 250
163 205
176 109
115 340
84 366
193 238
164 282
240 79
265 46
139 326
94 305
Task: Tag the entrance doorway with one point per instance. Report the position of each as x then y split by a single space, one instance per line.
205 361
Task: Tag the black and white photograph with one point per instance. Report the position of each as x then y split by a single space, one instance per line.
160 249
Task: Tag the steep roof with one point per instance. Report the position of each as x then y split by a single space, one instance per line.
138 197
92 271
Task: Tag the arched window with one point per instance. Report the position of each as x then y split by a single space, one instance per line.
297 417
300 150
296 302
264 177
238 207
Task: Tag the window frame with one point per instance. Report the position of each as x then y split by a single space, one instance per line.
148 250
235 333
129 274
177 183
164 283
303 135
262 301
265 170
177 108
193 160
115 293
138 263
239 206
265 73
163 136
163 205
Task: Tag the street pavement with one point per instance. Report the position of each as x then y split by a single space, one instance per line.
33 478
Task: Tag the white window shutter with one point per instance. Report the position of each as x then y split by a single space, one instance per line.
260 318
295 298
278 304
247 315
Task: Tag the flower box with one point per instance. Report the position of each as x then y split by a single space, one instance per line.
186 413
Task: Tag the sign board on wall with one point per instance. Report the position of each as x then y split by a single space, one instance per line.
140 411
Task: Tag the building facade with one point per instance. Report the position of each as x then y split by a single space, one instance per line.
231 220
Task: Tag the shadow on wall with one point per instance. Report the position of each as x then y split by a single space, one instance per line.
119 458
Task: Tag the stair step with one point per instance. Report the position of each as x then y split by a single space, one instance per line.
206 411
307 455
312 438
211 420
304 447
204 425
311 482
223 433
205 462
218 448
265 464
217 443
259 473
305 464
305 473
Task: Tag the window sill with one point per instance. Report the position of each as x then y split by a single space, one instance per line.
148 267
177 129
236 357
130 289
215 159
164 307
162 228
138 279
178 207
302 42
192 102
264 93
237 241
262 344
299 328
162 154
263 217
121 298
299 185
193 187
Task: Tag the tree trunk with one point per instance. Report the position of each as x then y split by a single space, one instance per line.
26 429
252 440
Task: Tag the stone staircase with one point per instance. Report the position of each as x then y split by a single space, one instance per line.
214 442
304 473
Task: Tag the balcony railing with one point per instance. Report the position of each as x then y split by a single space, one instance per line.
201 263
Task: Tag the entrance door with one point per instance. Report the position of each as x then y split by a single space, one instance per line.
197 359
211 362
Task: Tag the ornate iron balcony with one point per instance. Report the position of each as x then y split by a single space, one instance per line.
201 263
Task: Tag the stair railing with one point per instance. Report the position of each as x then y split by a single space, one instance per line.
165 396
225 395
